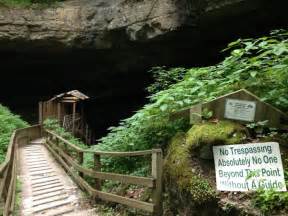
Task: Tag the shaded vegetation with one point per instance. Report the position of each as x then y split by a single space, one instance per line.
8 123
54 126
259 65
28 3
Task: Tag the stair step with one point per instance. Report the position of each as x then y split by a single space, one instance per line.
48 195
39 169
46 180
42 173
63 211
45 183
57 184
59 188
35 161
51 206
43 177
38 166
49 200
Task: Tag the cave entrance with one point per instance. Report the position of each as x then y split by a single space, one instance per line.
115 89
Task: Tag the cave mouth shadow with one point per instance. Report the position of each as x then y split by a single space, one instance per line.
114 94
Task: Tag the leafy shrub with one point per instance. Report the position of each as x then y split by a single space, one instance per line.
271 201
8 123
53 125
164 78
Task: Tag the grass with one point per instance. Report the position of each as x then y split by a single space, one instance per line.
28 3
8 123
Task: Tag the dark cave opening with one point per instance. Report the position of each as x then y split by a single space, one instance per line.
116 79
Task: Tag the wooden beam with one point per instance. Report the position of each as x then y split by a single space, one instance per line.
73 118
81 160
97 168
70 98
40 112
157 169
59 112
68 101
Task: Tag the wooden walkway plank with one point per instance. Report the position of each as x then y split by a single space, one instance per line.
47 190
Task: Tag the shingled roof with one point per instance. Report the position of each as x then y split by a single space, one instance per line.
74 95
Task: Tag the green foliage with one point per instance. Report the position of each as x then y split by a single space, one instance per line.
259 65
53 125
271 201
164 78
8 123
28 3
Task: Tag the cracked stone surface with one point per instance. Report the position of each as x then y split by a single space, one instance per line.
99 24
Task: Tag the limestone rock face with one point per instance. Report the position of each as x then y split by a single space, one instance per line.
102 24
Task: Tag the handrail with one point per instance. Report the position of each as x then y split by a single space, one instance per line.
116 154
4 165
8 169
54 143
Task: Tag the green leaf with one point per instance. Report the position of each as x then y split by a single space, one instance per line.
253 74
163 107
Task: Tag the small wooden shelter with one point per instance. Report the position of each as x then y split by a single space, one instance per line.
68 109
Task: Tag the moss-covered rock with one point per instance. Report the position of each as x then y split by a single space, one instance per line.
178 169
184 175
201 137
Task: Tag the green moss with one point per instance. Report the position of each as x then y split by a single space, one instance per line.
178 170
200 138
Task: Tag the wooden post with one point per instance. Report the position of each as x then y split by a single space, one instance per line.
40 117
97 168
157 166
73 118
86 133
81 160
57 144
59 112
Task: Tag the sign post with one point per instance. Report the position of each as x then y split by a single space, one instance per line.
247 167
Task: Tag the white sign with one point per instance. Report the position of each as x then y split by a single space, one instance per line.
249 167
240 110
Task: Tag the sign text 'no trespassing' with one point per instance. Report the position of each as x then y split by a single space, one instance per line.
246 167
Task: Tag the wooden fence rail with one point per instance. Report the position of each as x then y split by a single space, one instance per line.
63 150
8 169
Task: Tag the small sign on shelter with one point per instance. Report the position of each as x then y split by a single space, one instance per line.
241 106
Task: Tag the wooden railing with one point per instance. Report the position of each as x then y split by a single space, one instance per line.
8 169
72 157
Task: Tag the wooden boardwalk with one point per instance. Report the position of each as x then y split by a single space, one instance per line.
48 190
46 187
